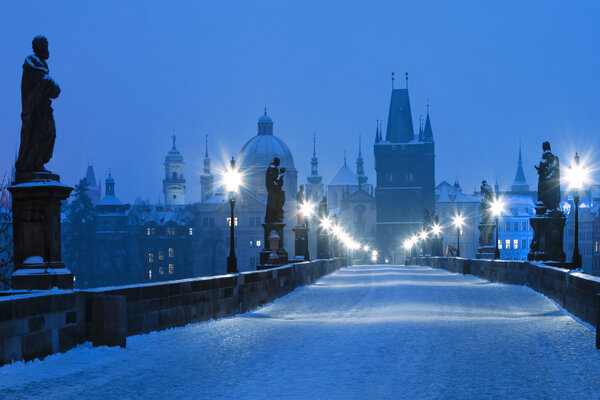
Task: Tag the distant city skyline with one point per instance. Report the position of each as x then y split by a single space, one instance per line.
131 77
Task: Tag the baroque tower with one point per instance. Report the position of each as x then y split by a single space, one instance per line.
174 184
207 179
314 187
405 168
360 166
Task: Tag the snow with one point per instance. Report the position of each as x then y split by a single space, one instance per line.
37 271
34 260
364 332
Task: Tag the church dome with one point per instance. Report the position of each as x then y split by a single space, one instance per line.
259 151
174 155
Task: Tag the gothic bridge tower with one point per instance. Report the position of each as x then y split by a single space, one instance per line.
405 168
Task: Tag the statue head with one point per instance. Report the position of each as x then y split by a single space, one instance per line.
302 188
546 146
40 47
276 161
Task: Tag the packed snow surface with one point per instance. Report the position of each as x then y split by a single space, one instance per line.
364 332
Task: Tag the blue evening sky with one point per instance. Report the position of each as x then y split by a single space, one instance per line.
132 73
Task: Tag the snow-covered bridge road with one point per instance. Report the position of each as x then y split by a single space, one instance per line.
364 332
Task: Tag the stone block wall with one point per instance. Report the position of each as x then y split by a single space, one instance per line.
576 292
42 323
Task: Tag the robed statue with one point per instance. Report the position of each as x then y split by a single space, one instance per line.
486 201
275 192
300 199
37 131
549 179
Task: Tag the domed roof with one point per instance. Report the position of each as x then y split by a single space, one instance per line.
262 148
174 155
260 151
109 179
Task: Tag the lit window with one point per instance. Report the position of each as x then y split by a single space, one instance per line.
251 243
161 271
171 252
150 257
499 244
191 231
258 243
150 274
171 269
171 231
507 244
516 244
161 255
148 231
234 221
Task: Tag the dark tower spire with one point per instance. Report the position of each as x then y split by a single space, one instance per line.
400 125
314 177
377 134
520 184
206 179
360 165
428 132
420 128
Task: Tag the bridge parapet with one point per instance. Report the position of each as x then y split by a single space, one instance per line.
578 293
38 324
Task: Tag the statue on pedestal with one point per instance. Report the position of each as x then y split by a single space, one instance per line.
38 130
37 193
548 223
486 201
300 199
487 246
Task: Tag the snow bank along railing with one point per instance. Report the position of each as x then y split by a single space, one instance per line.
35 325
578 293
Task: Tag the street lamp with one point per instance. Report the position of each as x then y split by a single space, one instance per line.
577 175
497 208
458 222
232 183
306 209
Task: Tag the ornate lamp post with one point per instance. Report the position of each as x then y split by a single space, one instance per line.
497 208
458 222
232 182
436 231
576 176
307 210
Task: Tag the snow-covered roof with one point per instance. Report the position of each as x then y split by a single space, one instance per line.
344 177
447 193
109 200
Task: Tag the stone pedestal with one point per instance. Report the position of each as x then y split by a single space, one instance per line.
547 243
36 233
487 247
300 242
274 253
323 251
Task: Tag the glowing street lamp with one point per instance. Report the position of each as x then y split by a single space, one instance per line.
497 207
577 175
232 179
458 221
374 255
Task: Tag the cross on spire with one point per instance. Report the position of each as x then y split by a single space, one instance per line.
344 157
314 145
406 77
174 138
392 80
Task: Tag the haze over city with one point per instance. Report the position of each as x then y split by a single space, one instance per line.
494 74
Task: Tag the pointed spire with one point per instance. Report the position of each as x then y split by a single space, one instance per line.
377 137
406 77
359 145
420 128
344 157
520 184
206 160
360 164
206 146
314 177
392 80
428 132
174 138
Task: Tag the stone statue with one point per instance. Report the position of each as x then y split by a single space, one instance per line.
300 198
549 179
426 220
486 201
37 131
275 192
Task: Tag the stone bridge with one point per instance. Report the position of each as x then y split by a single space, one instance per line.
365 331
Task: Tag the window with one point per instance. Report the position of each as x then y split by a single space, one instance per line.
150 257
150 231
258 243
171 252
150 274
191 231
507 244
171 269
205 221
170 231
499 244
523 243
516 226
508 226
234 221
161 255
251 243
516 244
524 226
161 271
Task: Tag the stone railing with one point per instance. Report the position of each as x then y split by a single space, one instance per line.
578 293
34 325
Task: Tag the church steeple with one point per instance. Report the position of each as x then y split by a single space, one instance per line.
314 176
520 184
360 165
377 133
174 182
206 179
